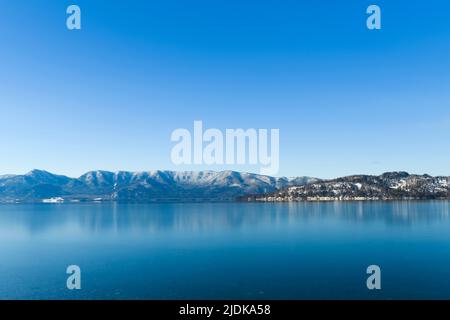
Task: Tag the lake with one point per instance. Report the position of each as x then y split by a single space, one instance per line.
226 250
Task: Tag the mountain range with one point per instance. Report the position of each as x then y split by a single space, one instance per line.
155 186
388 186
149 186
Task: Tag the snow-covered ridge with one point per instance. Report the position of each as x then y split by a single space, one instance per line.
158 185
388 186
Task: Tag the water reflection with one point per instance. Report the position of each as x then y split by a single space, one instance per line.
113 217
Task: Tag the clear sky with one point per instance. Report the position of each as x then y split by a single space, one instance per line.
346 99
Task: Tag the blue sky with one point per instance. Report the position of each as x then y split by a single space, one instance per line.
346 100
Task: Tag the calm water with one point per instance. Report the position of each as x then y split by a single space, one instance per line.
226 250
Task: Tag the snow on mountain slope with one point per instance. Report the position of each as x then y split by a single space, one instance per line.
388 186
140 186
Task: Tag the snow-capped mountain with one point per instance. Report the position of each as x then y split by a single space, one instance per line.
388 186
39 185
